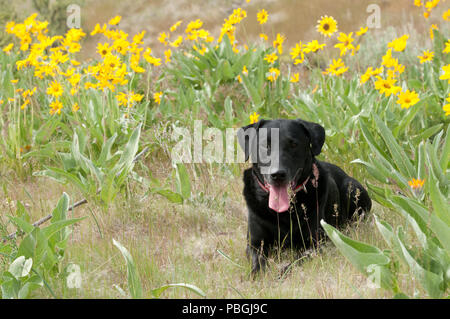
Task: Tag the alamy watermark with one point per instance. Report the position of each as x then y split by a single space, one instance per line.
73 16
212 145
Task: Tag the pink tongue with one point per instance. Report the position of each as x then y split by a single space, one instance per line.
278 198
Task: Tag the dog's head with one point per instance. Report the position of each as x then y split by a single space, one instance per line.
282 152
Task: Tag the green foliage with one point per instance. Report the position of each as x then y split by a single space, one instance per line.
134 282
39 254
105 176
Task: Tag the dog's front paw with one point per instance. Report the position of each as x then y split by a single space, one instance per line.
258 264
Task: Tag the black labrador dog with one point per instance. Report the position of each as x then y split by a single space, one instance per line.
288 191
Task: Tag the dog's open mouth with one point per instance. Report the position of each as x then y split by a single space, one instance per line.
279 199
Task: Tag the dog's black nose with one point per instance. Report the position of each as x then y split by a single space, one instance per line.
279 175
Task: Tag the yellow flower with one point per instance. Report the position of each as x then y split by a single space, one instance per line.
56 107
24 105
273 74
418 3
14 81
129 99
75 108
294 78
103 49
446 107
98 29
433 27
121 46
388 61
327 26
429 5
177 42
262 16
163 37
175 25
28 93
201 50
313 46
271 58
398 68
362 31
244 70
278 43
369 73
387 86
416 183
150 59
135 97
134 63
446 73
446 15
122 98
157 97
408 99
399 44
58 57
263 36
337 67
296 52
426 56
55 89
254 118
192 27
115 20
8 48
137 38
168 55
447 47
345 42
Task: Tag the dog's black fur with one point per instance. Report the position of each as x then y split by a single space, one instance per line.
335 199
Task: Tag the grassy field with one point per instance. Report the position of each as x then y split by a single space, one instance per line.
77 136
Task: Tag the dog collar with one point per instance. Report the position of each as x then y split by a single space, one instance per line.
302 186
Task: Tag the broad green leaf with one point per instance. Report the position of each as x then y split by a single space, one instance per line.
105 154
53 228
183 181
228 105
34 246
21 224
386 231
134 282
20 267
432 282
398 155
63 177
438 200
10 286
171 196
445 156
366 258
60 211
433 163
126 161
426 133
406 120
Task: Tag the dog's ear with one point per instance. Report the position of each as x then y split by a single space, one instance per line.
247 136
316 134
